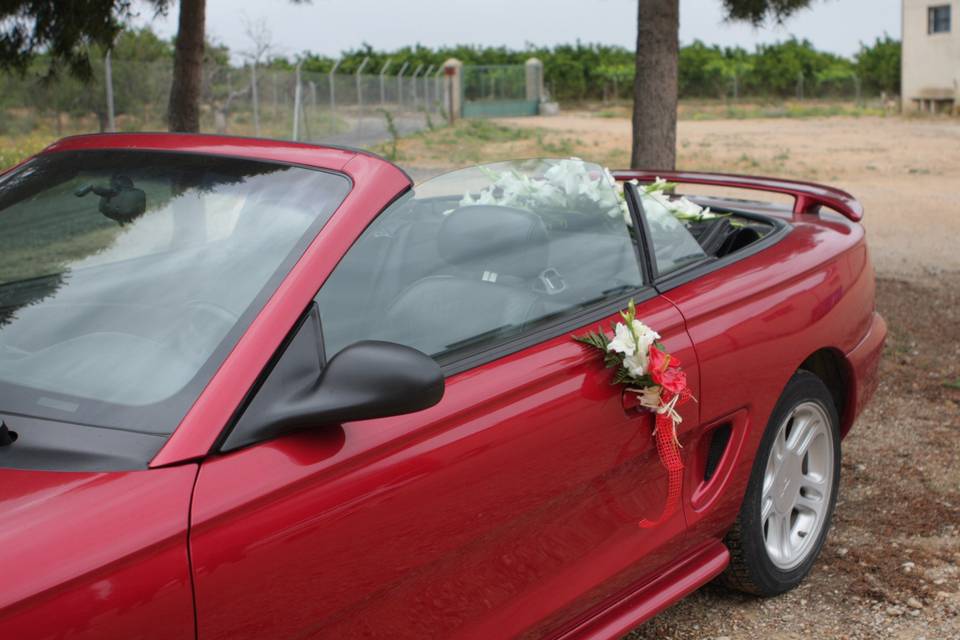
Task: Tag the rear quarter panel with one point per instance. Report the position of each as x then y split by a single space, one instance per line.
753 323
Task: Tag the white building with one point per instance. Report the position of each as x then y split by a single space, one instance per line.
930 74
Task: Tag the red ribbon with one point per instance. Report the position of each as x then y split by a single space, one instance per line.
668 450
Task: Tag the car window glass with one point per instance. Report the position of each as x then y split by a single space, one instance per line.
127 276
478 256
674 245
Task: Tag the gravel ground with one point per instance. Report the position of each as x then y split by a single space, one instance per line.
891 564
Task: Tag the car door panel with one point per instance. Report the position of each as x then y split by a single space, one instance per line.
510 507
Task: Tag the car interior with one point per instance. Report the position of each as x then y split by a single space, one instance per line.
496 270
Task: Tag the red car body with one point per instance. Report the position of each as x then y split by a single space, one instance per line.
502 511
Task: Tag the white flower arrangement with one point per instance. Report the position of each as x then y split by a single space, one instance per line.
654 195
569 185
573 185
633 342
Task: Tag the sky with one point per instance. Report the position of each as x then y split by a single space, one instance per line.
330 26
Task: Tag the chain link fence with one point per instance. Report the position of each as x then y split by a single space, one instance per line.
354 110
735 87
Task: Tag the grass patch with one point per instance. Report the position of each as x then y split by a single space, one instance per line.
954 384
488 131
744 109
16 149
475 141
786 110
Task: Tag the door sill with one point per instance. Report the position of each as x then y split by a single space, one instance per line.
639 606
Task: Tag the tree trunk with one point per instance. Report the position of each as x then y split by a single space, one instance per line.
184 110
655 86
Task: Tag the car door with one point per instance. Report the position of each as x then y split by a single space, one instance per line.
512 507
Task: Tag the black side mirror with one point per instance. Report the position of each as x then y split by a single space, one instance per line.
366 380
374 379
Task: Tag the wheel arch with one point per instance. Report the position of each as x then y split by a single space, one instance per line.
831 366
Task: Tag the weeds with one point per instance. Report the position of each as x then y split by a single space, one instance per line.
392 154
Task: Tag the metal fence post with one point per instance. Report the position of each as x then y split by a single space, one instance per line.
383 90
413 84
400 85
296 103
108 81
360 93
333 91
255 98
426 87
273 77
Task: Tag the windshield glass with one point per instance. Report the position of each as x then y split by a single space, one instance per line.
127 276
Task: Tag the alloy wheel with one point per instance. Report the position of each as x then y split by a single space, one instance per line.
797 486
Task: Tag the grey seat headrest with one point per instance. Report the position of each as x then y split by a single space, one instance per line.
502 240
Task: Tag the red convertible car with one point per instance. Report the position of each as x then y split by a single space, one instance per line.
257 389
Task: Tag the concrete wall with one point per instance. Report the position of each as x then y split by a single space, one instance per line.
931 61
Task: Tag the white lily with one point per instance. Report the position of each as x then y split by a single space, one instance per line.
634 342
685 207
623 340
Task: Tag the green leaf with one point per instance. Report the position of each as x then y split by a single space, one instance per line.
591 339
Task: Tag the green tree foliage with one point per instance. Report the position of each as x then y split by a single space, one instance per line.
757 11
63 31
777 68
143 66
581 71
879 65
712 72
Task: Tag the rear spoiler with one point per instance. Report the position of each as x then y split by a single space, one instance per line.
808 196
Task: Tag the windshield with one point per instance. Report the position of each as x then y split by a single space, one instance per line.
127 276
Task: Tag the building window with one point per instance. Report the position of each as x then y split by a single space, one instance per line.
938 19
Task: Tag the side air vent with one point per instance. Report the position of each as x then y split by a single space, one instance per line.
719 439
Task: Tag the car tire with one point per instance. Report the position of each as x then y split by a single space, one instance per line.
780 529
